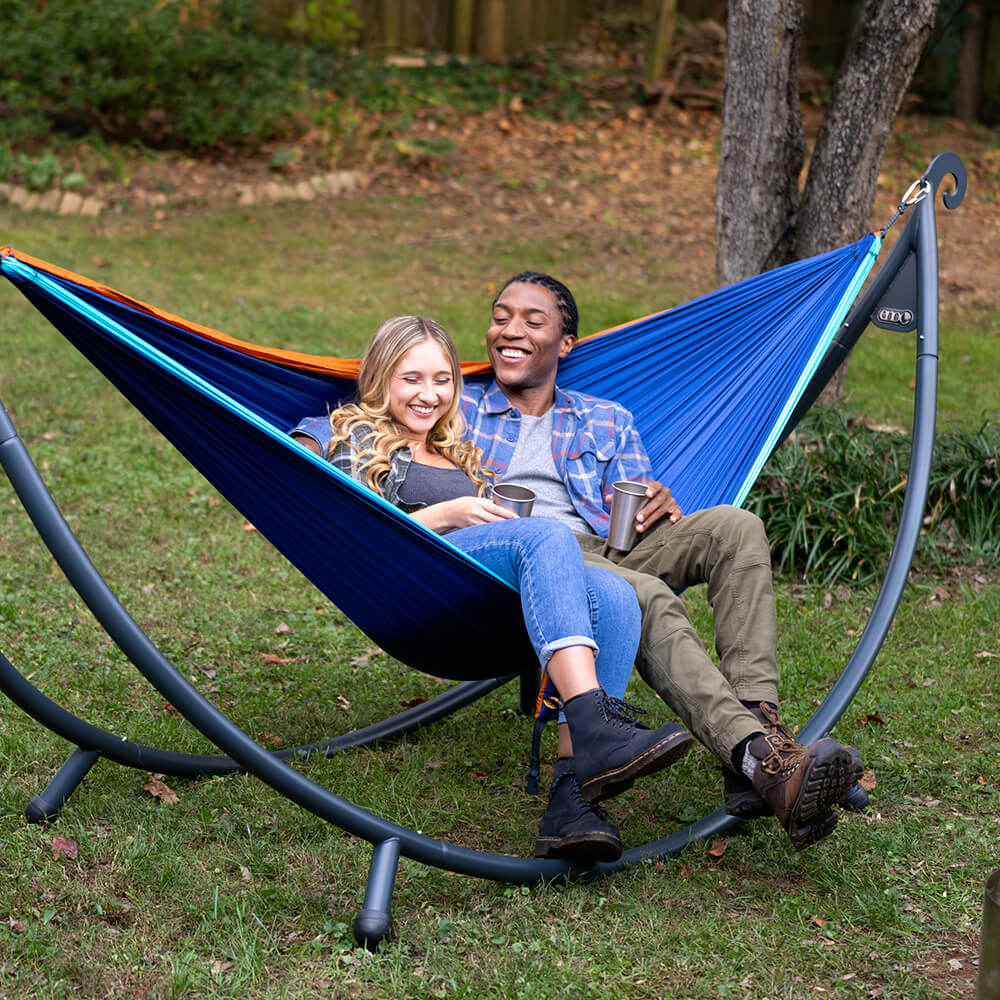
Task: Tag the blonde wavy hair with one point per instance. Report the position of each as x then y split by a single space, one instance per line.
447 437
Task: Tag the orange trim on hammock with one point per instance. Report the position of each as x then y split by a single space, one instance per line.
323 364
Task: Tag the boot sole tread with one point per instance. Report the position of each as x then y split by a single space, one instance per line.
583 848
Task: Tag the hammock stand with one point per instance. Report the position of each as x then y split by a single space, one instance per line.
902 296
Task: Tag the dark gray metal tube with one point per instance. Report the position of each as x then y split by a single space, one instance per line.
918 478
45 807
373 924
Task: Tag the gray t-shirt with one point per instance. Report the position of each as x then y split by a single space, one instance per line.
427 484
532 465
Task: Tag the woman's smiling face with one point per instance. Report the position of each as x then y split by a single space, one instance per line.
421 389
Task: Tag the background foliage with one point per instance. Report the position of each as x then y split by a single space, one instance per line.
211 74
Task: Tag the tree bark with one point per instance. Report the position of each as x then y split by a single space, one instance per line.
969 94
663 36
843 175
763 144
758 195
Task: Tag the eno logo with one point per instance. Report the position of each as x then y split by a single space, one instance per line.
902 317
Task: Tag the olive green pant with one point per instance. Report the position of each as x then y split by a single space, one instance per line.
725 548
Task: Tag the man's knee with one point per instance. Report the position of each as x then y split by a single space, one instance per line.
743 532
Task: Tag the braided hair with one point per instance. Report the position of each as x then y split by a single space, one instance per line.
565 302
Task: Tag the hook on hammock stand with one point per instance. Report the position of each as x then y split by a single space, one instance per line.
390 841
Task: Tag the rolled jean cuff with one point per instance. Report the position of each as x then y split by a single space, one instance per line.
545 653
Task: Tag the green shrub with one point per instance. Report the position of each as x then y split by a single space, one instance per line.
139 69
832 496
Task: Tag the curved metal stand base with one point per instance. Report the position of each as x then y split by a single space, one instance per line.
45 808
374 922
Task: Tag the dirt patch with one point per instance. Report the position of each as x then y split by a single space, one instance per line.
644 178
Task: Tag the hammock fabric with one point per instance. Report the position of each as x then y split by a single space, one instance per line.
711 385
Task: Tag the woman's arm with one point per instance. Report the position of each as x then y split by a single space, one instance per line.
462 512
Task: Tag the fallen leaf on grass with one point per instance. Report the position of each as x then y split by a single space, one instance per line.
245 873
818 921
363 658
219 968
984 655
63 847
718 848
159 790
270 738
867 781
982 779
412 703
167 707
274 658
872 717
17 926
249 528
954 964
282 628
343 703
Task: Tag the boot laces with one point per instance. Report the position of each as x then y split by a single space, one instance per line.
785 753
774 723
620 712
577 794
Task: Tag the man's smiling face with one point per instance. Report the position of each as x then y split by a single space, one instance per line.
525 339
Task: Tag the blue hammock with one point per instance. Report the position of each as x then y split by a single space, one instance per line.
711 385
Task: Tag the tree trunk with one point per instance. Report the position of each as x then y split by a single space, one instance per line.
843 174
757 200
663 36
763 145
968 96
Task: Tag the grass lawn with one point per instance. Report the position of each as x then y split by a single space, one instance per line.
232 891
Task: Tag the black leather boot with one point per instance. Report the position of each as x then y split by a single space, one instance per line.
572 828
610 750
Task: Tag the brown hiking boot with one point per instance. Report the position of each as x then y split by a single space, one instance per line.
739 795
801 784
738 792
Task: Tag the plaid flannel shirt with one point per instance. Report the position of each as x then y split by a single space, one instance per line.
594 444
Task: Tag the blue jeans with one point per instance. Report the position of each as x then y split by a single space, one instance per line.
564 603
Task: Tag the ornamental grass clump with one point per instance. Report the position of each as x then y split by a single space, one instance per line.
832 495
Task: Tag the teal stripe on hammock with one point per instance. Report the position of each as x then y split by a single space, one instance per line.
183 374
707 381
838 317
711 382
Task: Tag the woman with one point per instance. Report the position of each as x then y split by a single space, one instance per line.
404 439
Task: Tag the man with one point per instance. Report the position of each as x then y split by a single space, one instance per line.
569 448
